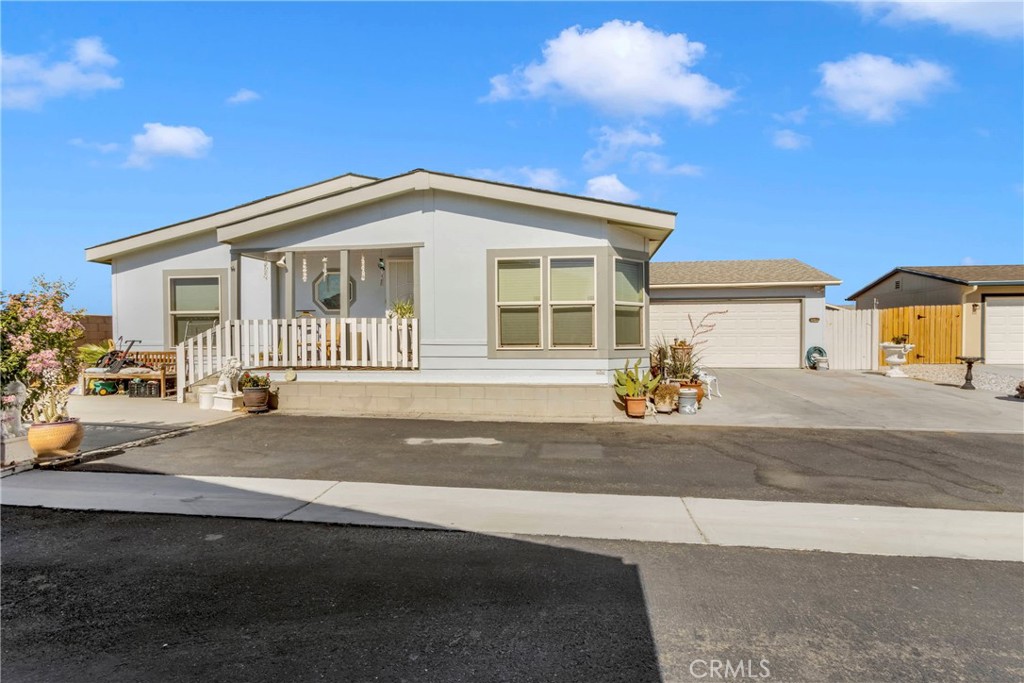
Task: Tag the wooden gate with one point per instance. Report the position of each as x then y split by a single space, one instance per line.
935 331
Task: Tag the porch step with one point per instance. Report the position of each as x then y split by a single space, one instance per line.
499 401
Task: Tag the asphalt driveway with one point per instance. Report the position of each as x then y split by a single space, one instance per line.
918 469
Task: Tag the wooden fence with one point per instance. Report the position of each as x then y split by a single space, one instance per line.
935 331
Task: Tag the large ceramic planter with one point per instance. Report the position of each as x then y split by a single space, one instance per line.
636 406
256 399
896 356
55 439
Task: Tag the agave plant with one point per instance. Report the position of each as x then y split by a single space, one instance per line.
629 383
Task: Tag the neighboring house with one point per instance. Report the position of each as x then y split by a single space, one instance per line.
508 284
776 309
992 298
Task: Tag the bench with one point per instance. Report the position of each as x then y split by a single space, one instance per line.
164 366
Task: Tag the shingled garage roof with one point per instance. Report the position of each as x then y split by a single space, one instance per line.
764 272
964 275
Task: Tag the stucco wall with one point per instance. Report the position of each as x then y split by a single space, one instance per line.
974 312
813 298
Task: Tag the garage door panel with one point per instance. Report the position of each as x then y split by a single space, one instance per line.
1004 330
753 334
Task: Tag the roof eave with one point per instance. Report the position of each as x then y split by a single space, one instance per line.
811 283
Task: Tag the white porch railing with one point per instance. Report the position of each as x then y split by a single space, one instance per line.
299 343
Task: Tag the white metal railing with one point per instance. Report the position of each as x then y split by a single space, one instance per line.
299 343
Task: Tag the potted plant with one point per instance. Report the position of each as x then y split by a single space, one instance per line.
666 397
895 352
634 388
255 392
53 433
680 369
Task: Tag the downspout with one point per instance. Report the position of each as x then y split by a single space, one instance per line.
963 328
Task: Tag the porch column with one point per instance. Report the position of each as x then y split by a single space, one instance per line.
289 285
235 286
416 310
275 290
343 284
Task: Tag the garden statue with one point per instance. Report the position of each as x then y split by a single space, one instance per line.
15 395
227 383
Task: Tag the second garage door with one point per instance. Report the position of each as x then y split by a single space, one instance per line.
1004 330
753 334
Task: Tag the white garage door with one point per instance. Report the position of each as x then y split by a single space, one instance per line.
753 334
1004 330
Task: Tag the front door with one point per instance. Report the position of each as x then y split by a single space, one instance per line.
401 285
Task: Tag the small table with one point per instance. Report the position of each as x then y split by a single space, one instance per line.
970 361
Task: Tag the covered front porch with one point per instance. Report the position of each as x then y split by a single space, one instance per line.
329 308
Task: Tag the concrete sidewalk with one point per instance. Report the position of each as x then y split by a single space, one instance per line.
857 529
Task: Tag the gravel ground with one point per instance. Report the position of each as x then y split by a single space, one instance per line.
984 378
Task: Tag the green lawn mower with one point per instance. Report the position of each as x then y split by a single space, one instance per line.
103 387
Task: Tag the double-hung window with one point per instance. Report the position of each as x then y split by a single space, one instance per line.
571 289
194 305
519 303
629 303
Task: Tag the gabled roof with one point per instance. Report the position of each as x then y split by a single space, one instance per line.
751 273
103 253
350 191
962 275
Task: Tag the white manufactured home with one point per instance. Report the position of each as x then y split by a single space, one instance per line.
504 284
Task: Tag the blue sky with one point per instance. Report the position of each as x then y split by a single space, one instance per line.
853 136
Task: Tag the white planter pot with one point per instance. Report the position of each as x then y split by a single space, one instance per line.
896 356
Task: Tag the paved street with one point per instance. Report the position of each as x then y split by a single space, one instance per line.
131 597
919 469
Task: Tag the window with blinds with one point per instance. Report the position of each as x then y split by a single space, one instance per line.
195 305
519 303
629 303
571 298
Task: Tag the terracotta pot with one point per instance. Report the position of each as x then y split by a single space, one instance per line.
256 399
694 385
55 439
636 406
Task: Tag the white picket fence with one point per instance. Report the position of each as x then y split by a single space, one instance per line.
299 343
851 339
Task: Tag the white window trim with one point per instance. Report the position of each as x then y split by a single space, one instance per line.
499 304
171 312
551 304
642 304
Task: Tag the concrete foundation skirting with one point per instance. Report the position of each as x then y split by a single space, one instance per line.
469 400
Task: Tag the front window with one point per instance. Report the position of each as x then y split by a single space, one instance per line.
519 303
571 295
195 305
327 291
629 303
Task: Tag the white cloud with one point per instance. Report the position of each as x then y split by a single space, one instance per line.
790 139
101 147
622 67
653 162
968 261
169 141
995 19
797 116
542 178
29 80
611 188
874 86
242 96
613 146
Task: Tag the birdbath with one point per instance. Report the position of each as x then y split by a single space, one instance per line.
970 361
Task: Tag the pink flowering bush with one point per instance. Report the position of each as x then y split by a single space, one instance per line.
39 339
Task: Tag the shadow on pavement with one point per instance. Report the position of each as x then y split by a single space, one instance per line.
142 597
